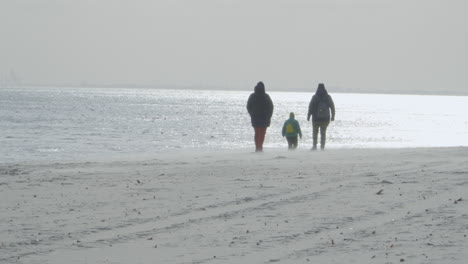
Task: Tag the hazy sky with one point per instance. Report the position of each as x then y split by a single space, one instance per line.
367 44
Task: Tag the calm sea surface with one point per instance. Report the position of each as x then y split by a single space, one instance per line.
80 123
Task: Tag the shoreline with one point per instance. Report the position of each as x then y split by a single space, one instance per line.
192 153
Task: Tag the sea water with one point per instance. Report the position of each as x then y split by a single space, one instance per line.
52 124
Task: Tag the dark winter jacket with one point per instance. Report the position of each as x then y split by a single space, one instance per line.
321 97
260 107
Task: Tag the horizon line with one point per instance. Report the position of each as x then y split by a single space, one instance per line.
330 88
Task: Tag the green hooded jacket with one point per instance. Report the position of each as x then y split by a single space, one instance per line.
291 128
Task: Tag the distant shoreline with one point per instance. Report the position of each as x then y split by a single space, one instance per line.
214 88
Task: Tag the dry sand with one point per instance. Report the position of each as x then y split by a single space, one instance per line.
335 206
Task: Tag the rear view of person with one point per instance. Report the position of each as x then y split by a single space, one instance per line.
319 108
291 129
260 108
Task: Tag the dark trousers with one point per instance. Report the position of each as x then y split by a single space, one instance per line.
322 126
292 142
259 137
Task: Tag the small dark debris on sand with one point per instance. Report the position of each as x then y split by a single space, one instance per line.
280 157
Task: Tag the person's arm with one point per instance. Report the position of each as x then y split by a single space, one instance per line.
332 107
298 127
270 106
249 104
310 109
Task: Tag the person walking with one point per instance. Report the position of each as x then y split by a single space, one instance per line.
260 108
319 108
291 129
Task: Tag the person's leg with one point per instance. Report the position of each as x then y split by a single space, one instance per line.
261 138
323 135
294 142
257 137
315 129
290 142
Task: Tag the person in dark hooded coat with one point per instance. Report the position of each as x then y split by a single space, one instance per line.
319 108
260 108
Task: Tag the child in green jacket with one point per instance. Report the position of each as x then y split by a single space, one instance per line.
291 129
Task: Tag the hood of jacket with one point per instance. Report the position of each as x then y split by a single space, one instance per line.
260 88
321 91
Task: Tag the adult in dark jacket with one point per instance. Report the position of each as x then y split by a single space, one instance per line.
260 108
319 108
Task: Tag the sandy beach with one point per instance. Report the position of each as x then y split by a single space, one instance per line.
333 206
